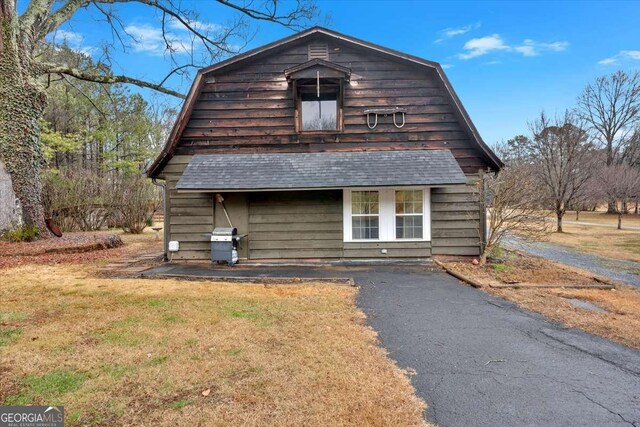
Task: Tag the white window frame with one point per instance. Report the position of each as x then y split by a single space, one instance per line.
387 214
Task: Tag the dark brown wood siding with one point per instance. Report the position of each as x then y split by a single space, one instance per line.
295 224
251 108
455 219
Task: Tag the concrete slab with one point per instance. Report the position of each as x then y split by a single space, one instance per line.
585 305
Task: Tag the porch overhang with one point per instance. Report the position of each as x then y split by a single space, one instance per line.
315 171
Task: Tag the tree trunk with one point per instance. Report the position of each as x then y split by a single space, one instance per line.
577 215
483 256
620 220
559 227
22 104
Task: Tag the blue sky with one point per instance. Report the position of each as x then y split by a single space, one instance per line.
506 60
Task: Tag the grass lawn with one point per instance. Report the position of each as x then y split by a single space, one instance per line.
620 322
604 218
604 241
167 352
598 240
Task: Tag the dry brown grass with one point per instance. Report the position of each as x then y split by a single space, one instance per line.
521 268
142 352
604 241
604 218
621 323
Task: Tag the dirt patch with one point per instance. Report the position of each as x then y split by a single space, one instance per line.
96 248
71 244
541 290
517 268
169 352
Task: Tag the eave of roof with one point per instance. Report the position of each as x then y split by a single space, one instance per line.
320 170
154 169
320 62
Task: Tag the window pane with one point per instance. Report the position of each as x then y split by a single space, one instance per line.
364 227
364 202
409 227
409 201
319 113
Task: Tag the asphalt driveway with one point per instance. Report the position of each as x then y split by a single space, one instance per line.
480 360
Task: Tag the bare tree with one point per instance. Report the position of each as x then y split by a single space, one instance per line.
611 105
24 71
511 196
561 153
620 183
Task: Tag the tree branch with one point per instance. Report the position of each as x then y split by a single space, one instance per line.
304 10
106 79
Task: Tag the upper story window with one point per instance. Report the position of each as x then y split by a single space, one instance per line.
318 107
317 88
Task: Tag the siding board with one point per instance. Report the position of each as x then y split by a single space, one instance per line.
288 224
251 105
455 221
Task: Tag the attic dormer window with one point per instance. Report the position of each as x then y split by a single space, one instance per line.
319 106
317 89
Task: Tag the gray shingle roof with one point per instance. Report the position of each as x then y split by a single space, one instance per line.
273 171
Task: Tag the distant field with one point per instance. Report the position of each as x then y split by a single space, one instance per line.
604 218
596 239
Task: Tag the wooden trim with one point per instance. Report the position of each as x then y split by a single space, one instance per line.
387 215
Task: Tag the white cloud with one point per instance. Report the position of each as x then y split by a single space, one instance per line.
633 55
484 45
532 48
448 33
149 39
73 40
204 27
70 37
446 66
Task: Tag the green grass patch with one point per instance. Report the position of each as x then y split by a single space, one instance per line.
234 352
12 316
156 360
124 338
119 371
157 303
47 388
631 244
8 335
262 314
128 322
501 267
172 319
179 404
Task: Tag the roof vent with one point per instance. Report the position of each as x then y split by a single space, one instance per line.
319 51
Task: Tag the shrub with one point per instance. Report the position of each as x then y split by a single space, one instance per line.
137 201
25 233
77 200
